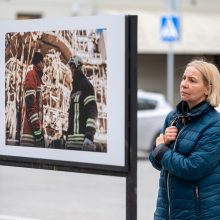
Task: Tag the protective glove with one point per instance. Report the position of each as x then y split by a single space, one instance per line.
88 145
38 138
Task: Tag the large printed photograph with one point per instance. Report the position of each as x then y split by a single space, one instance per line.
62 90
56 89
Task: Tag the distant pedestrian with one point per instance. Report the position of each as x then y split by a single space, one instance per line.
187 152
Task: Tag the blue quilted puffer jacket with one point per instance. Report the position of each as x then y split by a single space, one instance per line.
189 186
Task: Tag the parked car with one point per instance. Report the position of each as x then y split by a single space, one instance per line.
152 110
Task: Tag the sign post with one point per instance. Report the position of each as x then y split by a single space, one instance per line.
170 32
131 177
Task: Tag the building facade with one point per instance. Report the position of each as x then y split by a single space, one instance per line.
199 35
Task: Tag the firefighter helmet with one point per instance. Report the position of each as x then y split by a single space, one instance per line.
76 60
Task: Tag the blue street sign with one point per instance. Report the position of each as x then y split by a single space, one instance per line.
170 28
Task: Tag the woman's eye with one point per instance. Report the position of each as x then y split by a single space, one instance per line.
192 80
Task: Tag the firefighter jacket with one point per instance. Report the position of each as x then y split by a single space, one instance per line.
32 114
82 111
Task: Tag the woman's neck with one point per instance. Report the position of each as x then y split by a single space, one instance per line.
194 105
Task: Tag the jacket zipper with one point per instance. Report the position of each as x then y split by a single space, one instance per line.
197 199
168 175
168 194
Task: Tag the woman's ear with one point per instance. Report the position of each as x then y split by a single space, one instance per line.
208 90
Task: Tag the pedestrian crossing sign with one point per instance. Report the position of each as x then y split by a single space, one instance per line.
170 28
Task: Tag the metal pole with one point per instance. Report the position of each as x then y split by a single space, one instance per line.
170 74
172 7
131 178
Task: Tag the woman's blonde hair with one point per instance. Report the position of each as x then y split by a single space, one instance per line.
211 77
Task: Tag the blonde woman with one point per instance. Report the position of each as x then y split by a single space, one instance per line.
187 152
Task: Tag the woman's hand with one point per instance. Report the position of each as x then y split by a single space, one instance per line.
160 140
170 134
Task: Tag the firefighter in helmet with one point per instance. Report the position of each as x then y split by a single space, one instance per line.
82 110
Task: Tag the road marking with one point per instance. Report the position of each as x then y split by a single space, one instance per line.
7 217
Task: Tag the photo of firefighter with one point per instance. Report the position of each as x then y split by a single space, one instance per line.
56 89
32 120
83 109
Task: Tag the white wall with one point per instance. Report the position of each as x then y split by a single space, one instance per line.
51 8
